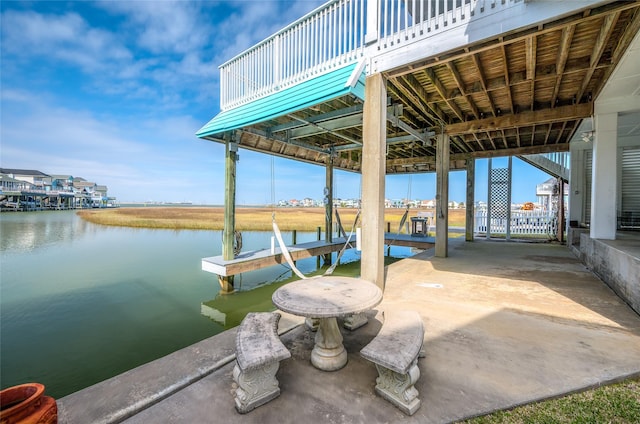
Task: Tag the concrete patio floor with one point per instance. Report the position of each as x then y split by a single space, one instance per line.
506 324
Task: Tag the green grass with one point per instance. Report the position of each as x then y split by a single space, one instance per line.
616 403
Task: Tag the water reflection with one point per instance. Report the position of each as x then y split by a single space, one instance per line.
24 232
80 302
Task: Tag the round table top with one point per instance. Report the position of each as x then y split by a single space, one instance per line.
326 297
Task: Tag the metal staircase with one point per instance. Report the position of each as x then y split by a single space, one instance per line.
554 164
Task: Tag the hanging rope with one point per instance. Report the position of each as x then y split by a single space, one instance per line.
344 247
273 185
284 250
403 220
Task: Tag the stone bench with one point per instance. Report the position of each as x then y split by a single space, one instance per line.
395 351
258 355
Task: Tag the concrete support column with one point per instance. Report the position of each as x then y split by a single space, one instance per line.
576 185
374 140
604 196
470 201
442 196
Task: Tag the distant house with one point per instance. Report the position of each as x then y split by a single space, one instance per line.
29 189
9 184
431 204
62 182
38 180
546 191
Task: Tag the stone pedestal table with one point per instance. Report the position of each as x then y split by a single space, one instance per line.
327 298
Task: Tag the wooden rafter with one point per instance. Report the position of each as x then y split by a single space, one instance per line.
443 92
504 139
460 83
466 51
624 41
531 53
505 65
415 95
528 118
561 61
483 82
548 134
559 137
478 142
598 49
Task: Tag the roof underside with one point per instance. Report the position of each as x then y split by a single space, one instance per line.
520 93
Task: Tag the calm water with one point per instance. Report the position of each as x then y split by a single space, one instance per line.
80 302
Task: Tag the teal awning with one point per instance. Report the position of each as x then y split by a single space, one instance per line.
346 80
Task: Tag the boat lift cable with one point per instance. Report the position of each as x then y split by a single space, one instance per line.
283 246
403 220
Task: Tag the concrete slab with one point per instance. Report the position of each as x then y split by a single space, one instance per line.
505 324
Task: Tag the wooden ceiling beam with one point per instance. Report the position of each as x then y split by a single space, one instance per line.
531 50
414 89
477 140
518 37
507 81
461 144
409 90
623 42
530 150
548 134
443 93
460 83
598 49
561 61
483 82
533 134
528 118
561 132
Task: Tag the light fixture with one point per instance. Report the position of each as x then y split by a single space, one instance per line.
587 136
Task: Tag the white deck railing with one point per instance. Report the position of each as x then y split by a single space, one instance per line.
329 37
561 158
522 223
405 20
338 33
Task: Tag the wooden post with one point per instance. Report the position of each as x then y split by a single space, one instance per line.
319 230
442 196
470 202
328 198
374 140
294 239
228 234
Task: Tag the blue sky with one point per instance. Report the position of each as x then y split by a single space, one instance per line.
114 91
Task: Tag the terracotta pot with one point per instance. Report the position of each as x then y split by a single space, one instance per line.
25 404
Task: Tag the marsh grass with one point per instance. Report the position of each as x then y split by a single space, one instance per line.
247 219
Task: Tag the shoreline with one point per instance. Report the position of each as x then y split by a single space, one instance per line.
248 218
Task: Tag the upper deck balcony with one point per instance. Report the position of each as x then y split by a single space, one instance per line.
499 76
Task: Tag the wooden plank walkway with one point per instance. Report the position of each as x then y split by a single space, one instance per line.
258 259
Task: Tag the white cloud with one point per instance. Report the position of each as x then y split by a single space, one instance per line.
66 37
164 26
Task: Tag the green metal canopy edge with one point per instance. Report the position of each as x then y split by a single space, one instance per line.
346 80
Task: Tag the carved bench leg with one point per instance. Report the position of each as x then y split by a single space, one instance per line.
355 321
312 323
398 388
255 387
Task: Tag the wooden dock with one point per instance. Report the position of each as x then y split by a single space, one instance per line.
258 259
